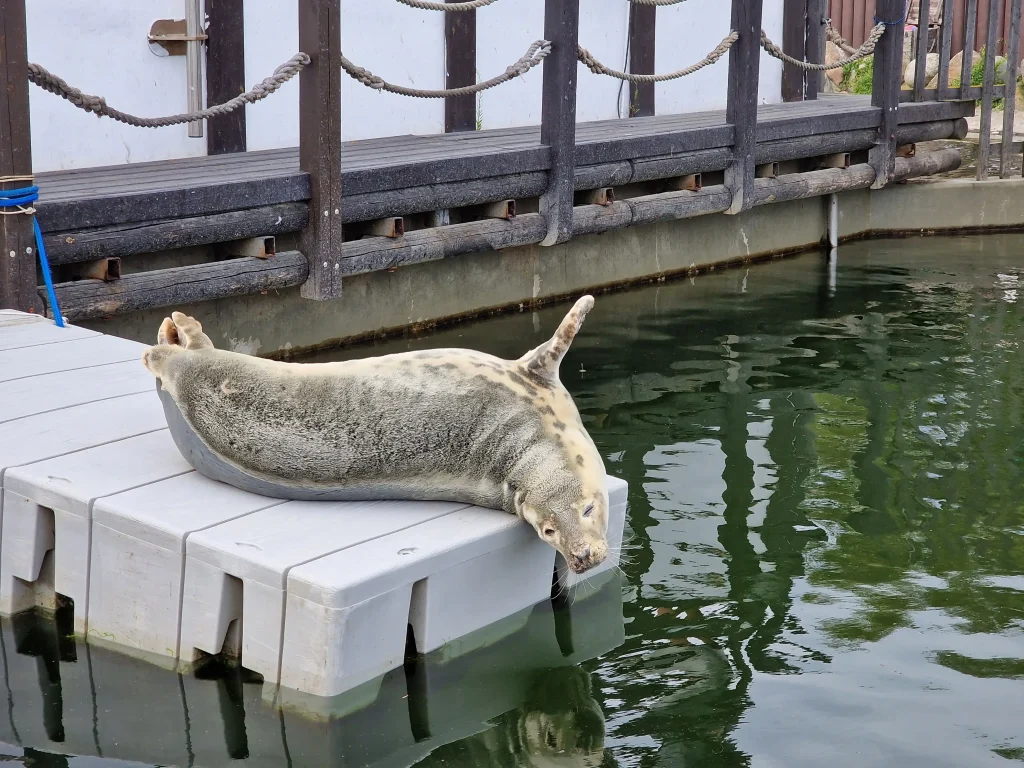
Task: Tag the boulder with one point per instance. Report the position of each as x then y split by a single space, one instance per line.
930 71
833 54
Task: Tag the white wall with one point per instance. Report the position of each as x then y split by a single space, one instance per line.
108 55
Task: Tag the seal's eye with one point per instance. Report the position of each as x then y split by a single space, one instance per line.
549 531
588 511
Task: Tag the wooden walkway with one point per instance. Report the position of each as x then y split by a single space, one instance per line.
97 197
100 509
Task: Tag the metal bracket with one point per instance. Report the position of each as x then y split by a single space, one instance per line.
167 37
393 226
767 171
689 183
840 160
604 196
257 247
502 209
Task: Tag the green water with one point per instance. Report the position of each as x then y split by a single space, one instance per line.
826 564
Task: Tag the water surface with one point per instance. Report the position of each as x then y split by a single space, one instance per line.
826 567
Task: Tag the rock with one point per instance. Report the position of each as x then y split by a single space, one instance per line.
931 69
956 64
830 86
834 53
1001 69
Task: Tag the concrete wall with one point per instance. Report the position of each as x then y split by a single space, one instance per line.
102 49
521 276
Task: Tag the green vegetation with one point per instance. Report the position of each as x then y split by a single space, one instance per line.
858 76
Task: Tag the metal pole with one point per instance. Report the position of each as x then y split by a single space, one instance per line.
833 221
194 64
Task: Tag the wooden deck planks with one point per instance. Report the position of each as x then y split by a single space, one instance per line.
95 197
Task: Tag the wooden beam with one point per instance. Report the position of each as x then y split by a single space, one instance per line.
741 110
794 43
320 144
558 115
225 74
17 236
460 69
817 13
641 57
178 286
885 89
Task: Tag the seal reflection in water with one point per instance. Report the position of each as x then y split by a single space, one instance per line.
447 424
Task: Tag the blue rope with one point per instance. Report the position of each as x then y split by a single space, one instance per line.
16 198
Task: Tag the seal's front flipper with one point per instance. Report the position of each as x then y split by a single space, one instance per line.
543 361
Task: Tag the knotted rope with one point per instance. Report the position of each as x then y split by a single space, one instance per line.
598 68
534 55
864 51
836 38
22 199
426 5
656 2
98 105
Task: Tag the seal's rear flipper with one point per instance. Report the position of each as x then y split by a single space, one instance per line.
543 361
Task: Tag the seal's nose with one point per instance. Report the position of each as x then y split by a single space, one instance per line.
581 560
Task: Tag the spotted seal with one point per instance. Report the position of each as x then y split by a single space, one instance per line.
445 424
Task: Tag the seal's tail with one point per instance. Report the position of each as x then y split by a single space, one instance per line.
545 359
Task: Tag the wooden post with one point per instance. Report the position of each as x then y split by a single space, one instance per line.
988 83
1010 103
17 236
885 89
225 74
320 144
741 110
460 69
641 57
816 16
558 116
794 43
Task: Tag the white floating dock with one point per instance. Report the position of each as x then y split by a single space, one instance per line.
99 507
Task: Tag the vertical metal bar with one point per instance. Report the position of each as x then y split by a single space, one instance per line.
460 69
558 116
1010 88
815 46
885 90
194 65
985 129
945 48
794 43
970 28
642 19
320 144
17 236
741 109
833 220
921 68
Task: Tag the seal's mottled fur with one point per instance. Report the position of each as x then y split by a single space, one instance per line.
451 424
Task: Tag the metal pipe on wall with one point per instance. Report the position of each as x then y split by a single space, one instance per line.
194 64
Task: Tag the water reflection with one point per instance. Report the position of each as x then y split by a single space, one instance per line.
827 557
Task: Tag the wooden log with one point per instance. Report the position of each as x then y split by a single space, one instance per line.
927 164
741 109
438 196
1009 107
150 237
181 285
460 69
885 91
816 16
17 236
641 57
794 43
989 79
558 115
225 74
665 206
797 186
320 143
378 253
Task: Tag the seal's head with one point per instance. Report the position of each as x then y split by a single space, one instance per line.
564 494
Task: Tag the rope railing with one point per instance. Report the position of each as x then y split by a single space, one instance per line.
99 107
866 49
835 37
426 5
595 66
534 55
656 2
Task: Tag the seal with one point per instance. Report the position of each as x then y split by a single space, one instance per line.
444 424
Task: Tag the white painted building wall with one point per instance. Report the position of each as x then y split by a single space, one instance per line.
102 49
